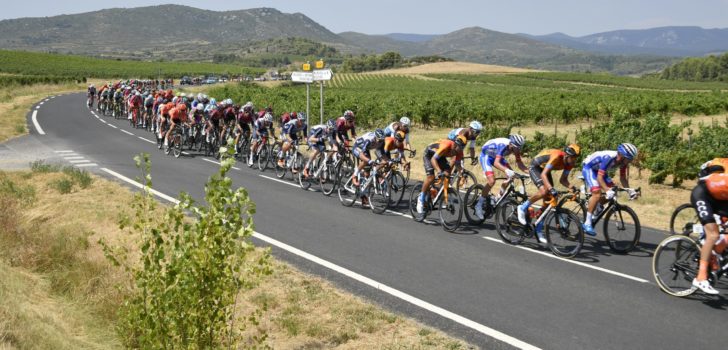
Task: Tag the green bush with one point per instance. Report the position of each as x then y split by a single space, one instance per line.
63 186
80 177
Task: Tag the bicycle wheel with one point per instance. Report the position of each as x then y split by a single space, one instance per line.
471 200
167 146
348 193
675 265
344 170
263 155
564 233
684 220
465 180
296 165
506 222
379 195
306 181
621 229
282 169
397 185
414 195
578 207
451 211
177 144
327 178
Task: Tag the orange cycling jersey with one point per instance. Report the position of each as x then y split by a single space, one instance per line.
552 159
444 148
389 144
176 114
717 178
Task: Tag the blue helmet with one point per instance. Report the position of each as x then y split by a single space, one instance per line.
330 124
379 133
627 150
517 140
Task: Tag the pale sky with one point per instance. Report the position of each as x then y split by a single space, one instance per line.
573 17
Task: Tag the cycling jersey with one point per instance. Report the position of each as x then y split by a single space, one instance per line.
440 151
494 149
91 92
453 134
600 163
394 127
365 143
342 127
260 127
229 114
552 159
385 148
320 132
177 115
714 174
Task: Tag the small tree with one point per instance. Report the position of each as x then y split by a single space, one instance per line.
190 269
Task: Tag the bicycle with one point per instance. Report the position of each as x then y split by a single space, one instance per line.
562 228
626 233
343 167
404 168
491 203
442 196
175 144
463 178
676 260
373 187
292 160
212 144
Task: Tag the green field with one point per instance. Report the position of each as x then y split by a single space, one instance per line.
33 63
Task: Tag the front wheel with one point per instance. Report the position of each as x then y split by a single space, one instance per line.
675 264
622 229
506 222
471 200
684 221
177 144
281 169
263 155
306 181
348 193
414 196
564 233
327 179
380 196
451 210
397 185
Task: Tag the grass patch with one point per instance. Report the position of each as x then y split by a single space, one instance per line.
63 186
80 177
41 167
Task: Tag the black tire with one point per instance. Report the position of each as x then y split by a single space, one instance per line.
297 165
675 264
327 179
380 196
306 182
451 211
621 229
397 185
281 170
564 233
348 193
344 170
577 207
683 220
263 156
465 180
506 219
177 145
471 200
414 195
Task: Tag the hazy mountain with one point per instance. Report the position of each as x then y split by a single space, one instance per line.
666 41
415 38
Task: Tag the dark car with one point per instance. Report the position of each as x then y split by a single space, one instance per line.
185 81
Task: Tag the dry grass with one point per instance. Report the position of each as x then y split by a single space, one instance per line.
59 292
453 67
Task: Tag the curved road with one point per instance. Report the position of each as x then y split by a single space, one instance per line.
468 284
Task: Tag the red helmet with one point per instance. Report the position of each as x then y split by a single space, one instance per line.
294 115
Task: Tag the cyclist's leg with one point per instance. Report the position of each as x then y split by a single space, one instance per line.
592 185
701 199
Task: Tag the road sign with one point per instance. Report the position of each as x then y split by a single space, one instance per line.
322 74
302 77
320 64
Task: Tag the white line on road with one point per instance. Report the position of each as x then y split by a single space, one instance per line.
126 132
37 107
79 161
365 280
218 163
572 261
35 122
64 151
113 126
72 157
150 141
41 102
86 164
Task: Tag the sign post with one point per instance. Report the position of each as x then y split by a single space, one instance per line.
308 76
322 75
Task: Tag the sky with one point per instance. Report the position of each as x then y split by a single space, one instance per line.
572 17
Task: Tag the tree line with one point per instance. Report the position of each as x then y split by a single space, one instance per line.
711 68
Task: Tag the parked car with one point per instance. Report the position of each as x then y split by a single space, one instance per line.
185 81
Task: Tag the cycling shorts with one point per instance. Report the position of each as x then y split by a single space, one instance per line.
257 136
535 172
486 162
706 205
319 146
358 151
430 170
590 179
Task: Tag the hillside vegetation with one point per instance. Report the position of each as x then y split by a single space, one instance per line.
704 69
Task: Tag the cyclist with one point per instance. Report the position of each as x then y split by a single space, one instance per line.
344 124
360 149
493 155
245 117
540 172
289 135
317 137
91 94
471 134
594 170
401 125
177 116
709 197
391 143
435 160
261 126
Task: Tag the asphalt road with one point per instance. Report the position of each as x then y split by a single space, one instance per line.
468 284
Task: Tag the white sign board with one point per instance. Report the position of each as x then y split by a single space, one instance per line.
302 77
322 74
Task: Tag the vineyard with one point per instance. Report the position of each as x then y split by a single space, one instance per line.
78 67
11 80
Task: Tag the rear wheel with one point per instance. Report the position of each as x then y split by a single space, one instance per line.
564 233
451 210
414 195
675 265
471 200
684 221
327 178
380 196
465 180
506 219
622 229
348 193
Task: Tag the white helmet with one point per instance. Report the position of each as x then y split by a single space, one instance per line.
404 121
183 95
229 102
174 100
268 117
475 125
90 86
200 107
199 96
517 140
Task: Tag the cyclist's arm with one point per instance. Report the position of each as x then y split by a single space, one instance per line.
519 162
497 163
623 179
600 179
565 178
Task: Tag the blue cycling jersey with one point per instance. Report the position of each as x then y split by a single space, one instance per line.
366 142
600 161
496 147
291 127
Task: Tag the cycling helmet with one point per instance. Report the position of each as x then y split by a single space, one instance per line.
460 141
294 115
349 115
330 124
200 107
268 117
301 117
627 150
183 95
174 99
399 136
248 106
229 102
475 125
572 150
404 121
182 107
199 96
90 86
379 133
213 101
517 140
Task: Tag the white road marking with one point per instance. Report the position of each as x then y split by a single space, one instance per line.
64 151
72 157
615 273
79 161
283 182
35 122
86 165
37 107
41 102
113 126
218 163
365 280
150 141
126 132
